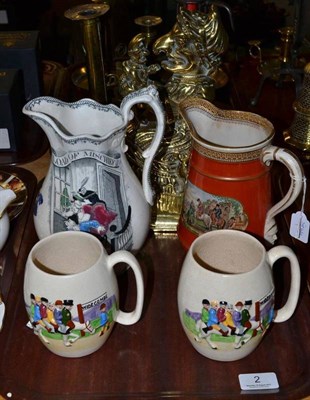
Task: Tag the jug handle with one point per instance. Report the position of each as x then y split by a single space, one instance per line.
149 96
295 168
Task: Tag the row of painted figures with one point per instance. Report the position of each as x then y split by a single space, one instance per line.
56 317
222 319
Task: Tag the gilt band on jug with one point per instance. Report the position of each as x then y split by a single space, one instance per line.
229 157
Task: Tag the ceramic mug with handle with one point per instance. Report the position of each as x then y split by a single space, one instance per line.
226 293
71 292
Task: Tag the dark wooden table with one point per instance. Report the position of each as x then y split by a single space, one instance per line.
153 358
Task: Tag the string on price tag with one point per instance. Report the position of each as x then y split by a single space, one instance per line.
299 227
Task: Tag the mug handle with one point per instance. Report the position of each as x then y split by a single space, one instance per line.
295 168
281 251
124 256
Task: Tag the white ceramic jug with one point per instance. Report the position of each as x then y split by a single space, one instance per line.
90 186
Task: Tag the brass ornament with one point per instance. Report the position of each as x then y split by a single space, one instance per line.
168 175
135 72
192 51
298 134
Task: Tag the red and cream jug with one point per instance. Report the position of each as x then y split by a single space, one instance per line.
229 183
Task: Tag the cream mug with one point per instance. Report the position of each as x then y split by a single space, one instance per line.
71 292
226 293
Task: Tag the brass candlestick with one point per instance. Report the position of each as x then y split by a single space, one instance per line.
148 24
89 17
280 66
286 39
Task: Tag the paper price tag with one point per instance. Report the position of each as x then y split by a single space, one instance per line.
260 381
4 139
2 312
299 228
3 17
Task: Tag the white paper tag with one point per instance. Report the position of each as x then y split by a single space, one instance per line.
2 312
3 17
260 381
4 139
299 228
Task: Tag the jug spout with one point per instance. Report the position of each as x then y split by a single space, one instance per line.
51 115
200 116
225 130
6 197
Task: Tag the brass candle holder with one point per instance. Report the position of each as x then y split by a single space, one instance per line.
148 24
93 75
280 66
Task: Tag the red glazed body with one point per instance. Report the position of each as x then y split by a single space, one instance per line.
245 182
